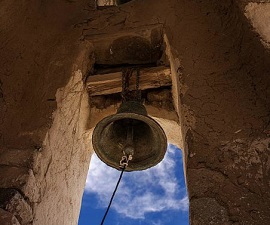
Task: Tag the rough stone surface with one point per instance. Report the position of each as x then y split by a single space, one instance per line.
208 211
12 201
7 218
19 178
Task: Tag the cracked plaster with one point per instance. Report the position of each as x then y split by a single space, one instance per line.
63 163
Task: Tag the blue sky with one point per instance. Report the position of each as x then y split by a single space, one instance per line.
156 196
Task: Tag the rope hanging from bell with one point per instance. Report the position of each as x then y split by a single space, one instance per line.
123 164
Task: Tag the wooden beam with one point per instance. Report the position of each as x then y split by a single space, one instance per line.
105 84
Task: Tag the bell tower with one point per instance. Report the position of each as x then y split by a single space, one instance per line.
204 77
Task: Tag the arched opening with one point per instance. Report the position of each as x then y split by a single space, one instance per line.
154 196
160 195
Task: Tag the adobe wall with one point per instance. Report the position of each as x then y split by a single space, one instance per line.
223 96
43 111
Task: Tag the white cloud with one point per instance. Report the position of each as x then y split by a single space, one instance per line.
152 190
157 223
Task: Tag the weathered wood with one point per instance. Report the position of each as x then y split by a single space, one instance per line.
112 83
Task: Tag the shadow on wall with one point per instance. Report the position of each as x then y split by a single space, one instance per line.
151 197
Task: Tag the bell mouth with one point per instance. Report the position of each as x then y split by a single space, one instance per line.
109 139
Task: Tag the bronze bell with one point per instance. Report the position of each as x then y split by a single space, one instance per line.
130 131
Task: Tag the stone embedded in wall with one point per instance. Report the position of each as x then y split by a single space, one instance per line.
20 178
7 218
15 170
12 201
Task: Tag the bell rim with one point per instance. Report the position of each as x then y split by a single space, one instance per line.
145 118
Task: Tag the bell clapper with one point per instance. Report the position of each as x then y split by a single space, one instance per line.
129 147
128 151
